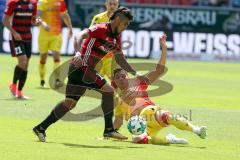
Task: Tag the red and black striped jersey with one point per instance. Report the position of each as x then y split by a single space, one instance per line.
101 41
22 12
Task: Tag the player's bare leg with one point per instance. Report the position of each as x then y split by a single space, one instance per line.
57 113
107 107
118 121
56 64
42 69
22 81
17 74
20 76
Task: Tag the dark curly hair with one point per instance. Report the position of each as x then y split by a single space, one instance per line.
122 11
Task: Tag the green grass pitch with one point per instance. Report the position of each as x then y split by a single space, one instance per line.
211 90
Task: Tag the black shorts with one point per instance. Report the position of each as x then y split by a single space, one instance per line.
19 48
80 79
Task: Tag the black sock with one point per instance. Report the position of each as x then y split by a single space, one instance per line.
107 107
17 74
57 113
22 80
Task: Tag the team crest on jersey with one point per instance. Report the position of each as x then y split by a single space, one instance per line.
30 6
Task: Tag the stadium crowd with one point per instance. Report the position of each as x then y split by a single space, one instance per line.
234 3
211 3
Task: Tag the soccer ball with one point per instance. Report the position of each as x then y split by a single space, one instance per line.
136 125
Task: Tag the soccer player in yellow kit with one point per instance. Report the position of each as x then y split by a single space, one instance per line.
106 62
135 101
50 36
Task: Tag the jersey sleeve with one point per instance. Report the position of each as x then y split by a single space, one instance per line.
95 31
9 9
63 7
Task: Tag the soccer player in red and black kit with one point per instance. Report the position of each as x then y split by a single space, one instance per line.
18 18
98 41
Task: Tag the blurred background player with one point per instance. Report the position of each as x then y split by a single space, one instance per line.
50 35
83 76
107 63
135 101
18 18
111 6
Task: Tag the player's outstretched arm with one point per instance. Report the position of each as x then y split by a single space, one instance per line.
160 68
122 62
6 23
79 38
67 20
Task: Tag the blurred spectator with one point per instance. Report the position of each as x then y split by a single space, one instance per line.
169 2
210 2
2 7
236 3
187 2
222 3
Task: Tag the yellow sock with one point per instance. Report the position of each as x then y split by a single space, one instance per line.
42 70
180 122
55 66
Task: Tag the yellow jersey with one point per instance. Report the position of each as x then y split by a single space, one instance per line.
51 10
100 18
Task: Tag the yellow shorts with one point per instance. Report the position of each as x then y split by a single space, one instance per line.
49 42
153 126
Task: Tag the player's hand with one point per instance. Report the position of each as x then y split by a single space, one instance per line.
39 21
35 21
162 41
77 60
45 26
17 36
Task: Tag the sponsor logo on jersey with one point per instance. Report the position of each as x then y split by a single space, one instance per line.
23 14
